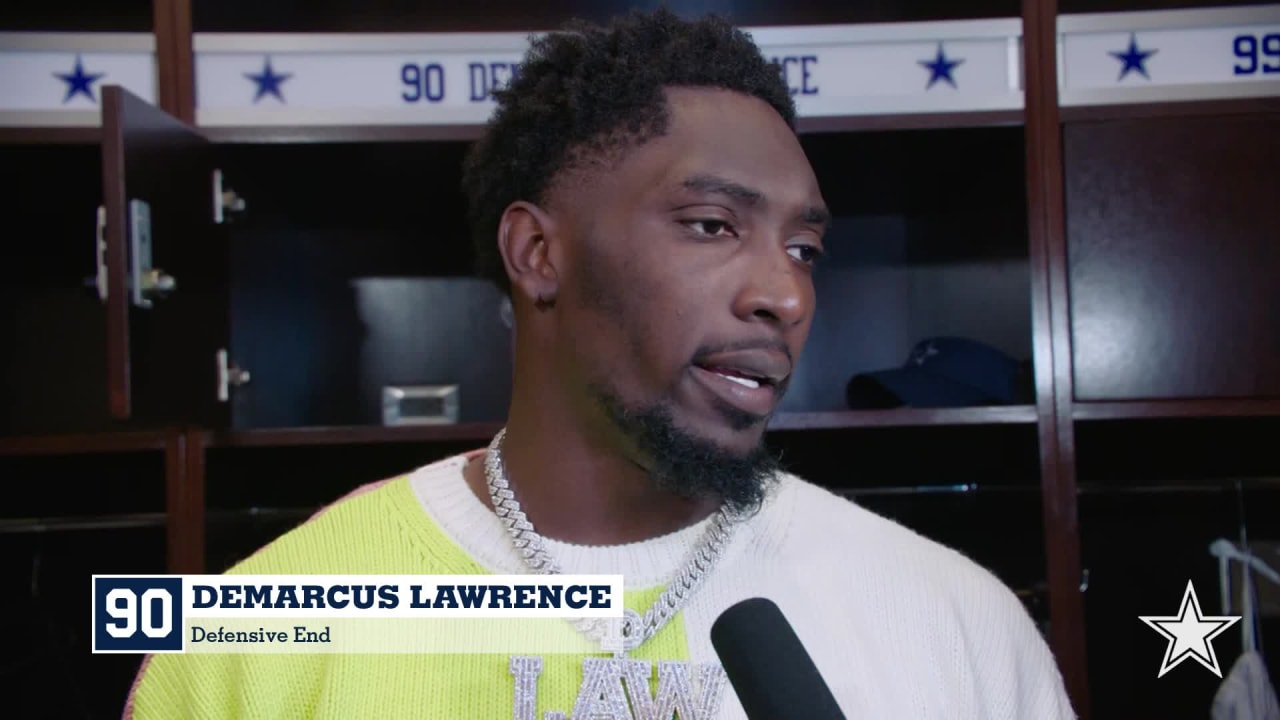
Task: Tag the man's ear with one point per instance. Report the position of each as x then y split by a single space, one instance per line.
525 235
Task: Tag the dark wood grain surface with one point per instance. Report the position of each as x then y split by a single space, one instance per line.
509 15
165 373
1174 255
1051 344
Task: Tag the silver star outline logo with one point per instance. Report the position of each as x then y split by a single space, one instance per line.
924 353
1190 633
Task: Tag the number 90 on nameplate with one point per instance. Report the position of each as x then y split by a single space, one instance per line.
137 614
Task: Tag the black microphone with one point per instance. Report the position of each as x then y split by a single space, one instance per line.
771 672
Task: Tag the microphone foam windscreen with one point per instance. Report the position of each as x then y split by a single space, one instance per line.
769 668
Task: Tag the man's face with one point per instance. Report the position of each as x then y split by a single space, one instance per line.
688 292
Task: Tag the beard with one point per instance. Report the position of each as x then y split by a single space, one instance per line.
687 465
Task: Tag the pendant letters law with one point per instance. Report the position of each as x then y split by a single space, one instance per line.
618 689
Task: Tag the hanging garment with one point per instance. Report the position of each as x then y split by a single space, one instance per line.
1247 693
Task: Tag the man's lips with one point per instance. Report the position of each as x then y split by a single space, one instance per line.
752 366
747 379
747 396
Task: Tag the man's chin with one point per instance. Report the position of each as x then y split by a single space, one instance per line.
737 470
732 441
714 459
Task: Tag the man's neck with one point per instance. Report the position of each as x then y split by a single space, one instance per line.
575 491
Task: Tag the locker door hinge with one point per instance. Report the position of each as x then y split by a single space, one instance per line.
229 376
225 200
146 282
99 281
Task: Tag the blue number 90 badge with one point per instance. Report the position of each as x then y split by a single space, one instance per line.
137 614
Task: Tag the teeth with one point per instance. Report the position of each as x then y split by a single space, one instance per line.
745 382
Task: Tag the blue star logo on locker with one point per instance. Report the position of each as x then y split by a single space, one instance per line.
1133 58
940 68
79 82
268 81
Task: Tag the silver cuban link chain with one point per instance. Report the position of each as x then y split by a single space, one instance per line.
635 629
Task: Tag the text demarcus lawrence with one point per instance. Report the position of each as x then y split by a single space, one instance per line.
386 597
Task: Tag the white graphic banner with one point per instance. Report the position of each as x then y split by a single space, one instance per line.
57 78
1165 56
833 70
448 79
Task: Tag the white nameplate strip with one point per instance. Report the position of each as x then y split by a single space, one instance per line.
56 79
407 79
1164 56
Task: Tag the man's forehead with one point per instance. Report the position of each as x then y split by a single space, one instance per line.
714 131
710 133
694 108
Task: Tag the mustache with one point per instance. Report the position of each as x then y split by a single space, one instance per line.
774 345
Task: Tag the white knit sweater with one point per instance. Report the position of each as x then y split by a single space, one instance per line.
899 626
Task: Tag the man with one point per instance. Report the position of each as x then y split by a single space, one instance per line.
642 196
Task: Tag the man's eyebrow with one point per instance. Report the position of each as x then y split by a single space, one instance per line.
716 184
816 215
813 215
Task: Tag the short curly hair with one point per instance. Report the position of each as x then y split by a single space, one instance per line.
589 91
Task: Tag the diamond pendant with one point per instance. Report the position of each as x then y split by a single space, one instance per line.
623 634
618 689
